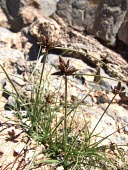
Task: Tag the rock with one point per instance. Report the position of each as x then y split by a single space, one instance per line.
88 100
20 13
109 17
19 80
91 51
72 12
60 168
101 97
56 83
106 85
122 34
29 87
12 101
12 55
85 14
11 104
19 148
8 88
48 7
88 110
126 119
126 129
94 86
6 37
81 87
10 39
20 66
8 114
123 138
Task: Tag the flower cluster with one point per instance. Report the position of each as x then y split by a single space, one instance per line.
65 68
118 89
47 42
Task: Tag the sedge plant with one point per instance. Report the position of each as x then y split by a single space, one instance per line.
65 143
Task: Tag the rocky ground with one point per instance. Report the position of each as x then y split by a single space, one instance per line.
18 55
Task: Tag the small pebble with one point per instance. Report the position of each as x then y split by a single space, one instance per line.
126 129
123 138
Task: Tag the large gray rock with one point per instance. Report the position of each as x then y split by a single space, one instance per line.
77 13
123 31
48 7
101 18
17 14
20 13
108 19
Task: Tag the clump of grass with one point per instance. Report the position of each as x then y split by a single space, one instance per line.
65 143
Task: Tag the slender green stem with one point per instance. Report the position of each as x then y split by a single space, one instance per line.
39 52
36 110
56 135
12 84
32 159
92 75
102 115
39 59
42 72
62 119
65 121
